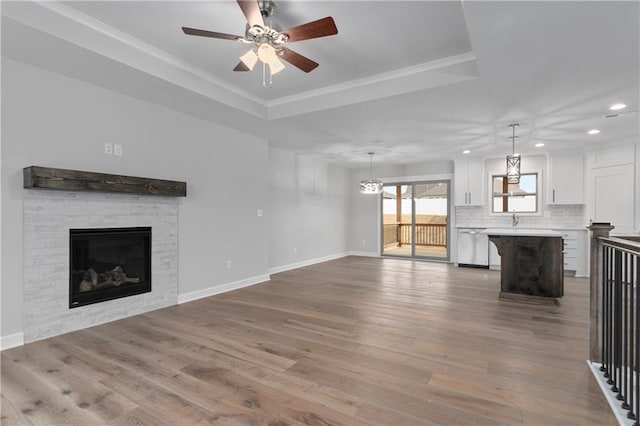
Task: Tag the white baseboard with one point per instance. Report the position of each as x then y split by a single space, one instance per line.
212 291
308 262
364 253
618 411
11 341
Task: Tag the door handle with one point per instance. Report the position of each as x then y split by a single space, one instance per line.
554 195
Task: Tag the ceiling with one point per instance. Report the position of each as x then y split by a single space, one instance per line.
412 81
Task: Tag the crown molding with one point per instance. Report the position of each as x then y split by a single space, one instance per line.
432 74
73 26
377 79
64 22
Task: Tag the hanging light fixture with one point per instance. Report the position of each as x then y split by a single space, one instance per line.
513 160
371 186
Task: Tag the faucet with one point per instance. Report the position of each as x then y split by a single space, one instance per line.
514 220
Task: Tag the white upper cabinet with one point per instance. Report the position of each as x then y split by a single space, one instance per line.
469 183
566 179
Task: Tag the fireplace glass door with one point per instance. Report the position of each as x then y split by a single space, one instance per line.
108 263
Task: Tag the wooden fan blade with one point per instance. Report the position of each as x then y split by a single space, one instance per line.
320 28
205 33
241 67
297 60
252 12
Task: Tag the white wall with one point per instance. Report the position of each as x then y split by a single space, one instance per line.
55 121
364 210
308 209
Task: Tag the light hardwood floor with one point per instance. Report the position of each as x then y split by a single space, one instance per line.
352 341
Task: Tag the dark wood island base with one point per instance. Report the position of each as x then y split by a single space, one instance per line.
532 267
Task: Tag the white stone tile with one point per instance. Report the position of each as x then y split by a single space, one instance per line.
48 216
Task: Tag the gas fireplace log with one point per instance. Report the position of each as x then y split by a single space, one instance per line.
119 277
94 277
91 280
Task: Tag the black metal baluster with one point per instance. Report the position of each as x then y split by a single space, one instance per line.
633 342
617 325
624 332
637 363
612 316
606 341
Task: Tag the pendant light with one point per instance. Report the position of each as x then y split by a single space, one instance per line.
513 160
371 186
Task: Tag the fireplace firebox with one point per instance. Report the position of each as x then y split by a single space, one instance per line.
108 263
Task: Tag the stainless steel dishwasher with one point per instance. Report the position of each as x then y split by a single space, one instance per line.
473 248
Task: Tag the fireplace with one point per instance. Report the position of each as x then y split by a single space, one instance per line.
108 263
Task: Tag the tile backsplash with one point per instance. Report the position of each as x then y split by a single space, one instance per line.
565 216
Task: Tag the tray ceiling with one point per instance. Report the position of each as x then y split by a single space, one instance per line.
413 81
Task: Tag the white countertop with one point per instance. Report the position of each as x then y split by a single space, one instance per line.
553 228
522 232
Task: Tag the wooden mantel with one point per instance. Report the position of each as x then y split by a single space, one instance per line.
36 177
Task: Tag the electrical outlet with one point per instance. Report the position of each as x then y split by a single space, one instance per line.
117 150
364 242
228 264
295 249
108 148
259 212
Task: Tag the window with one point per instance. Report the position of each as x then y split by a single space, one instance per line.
515 197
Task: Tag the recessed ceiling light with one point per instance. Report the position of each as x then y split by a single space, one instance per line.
539 145
466 151
617 107
593 131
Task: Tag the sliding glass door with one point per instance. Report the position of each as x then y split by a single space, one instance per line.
396 220
415 220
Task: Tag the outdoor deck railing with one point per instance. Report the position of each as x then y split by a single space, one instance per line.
427 234
617 318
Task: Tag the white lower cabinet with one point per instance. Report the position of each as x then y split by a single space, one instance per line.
575 251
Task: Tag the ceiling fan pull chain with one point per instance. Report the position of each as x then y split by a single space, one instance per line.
264 75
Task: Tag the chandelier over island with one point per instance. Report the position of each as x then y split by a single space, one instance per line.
513 160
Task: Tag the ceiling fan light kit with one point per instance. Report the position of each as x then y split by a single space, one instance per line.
249 59
268 41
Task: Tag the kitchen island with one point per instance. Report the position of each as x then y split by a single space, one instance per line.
532 265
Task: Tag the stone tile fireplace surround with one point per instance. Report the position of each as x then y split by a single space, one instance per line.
48 215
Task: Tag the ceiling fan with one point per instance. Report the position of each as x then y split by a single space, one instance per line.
268 41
